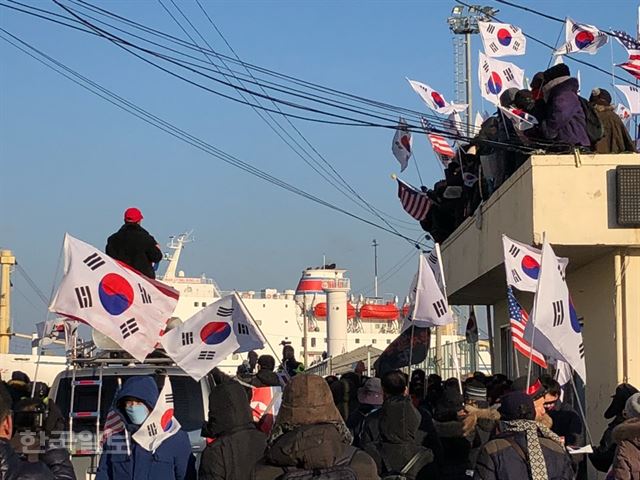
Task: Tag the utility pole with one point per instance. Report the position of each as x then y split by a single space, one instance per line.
375 267
7 260
464 21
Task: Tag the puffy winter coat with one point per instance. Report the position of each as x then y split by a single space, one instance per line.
564 120
134 246
312 447
265 378
237 445
499 459
399 442
171 461
626 463
616 138
53 465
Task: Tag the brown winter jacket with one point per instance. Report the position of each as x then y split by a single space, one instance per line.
616 138
312 447
626 463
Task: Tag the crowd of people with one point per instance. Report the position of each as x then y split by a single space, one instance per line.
349 427
561 122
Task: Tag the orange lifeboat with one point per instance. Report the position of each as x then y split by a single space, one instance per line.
373 312
320 310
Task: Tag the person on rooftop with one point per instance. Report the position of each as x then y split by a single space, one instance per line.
134 246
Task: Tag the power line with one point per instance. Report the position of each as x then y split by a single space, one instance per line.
354 122
340 178
351 121
167 127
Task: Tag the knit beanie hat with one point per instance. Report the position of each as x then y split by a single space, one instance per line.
632 407
475 390
557 71
600 96
517 406
619 400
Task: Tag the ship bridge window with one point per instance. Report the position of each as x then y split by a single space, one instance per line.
195 304
388 341
204 304
313 341
357 340
373 340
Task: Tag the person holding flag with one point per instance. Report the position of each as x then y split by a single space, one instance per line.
564 121
127 453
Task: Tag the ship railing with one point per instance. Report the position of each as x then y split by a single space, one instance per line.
322 368
469 356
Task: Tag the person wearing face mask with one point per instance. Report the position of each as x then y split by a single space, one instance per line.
124 459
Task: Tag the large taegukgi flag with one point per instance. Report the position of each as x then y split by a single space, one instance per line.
522 264
434 99
208 337
502 39
114 299
580 37
402 143
554 328
496 77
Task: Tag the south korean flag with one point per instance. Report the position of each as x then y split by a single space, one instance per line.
113 298
502 39
496 76
522 264
161 423
554 328
212 334
429 305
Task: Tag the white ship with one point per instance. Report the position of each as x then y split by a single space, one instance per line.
290 315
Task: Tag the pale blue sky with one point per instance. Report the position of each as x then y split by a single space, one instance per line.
71 162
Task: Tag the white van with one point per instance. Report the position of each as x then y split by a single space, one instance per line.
191 400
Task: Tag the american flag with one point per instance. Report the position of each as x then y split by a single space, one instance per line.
414 202
518 319
439 144
633 49
113 424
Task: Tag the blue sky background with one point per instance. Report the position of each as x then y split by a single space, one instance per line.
72 162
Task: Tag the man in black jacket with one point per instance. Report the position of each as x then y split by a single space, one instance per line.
53 464
134 246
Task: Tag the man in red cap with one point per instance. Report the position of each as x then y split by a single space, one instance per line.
134 246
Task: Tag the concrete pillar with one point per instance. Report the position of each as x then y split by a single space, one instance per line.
336 320
7 260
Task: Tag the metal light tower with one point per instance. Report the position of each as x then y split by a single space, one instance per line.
375 245
463 22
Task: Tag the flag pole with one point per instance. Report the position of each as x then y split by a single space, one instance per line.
411 350
255 324
584 417
439 328
532 318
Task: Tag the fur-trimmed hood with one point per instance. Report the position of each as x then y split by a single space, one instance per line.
628 430
483 413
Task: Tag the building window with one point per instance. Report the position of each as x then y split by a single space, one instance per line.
357 340
373 340
204 304
388 341
195 304
313 341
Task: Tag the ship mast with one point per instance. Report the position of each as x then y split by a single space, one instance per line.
176 244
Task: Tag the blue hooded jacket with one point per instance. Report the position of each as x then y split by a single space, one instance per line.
171 461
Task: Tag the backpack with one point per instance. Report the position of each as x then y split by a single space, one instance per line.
420 459
595 131
340 471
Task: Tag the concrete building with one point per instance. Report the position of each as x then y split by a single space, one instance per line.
572 200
